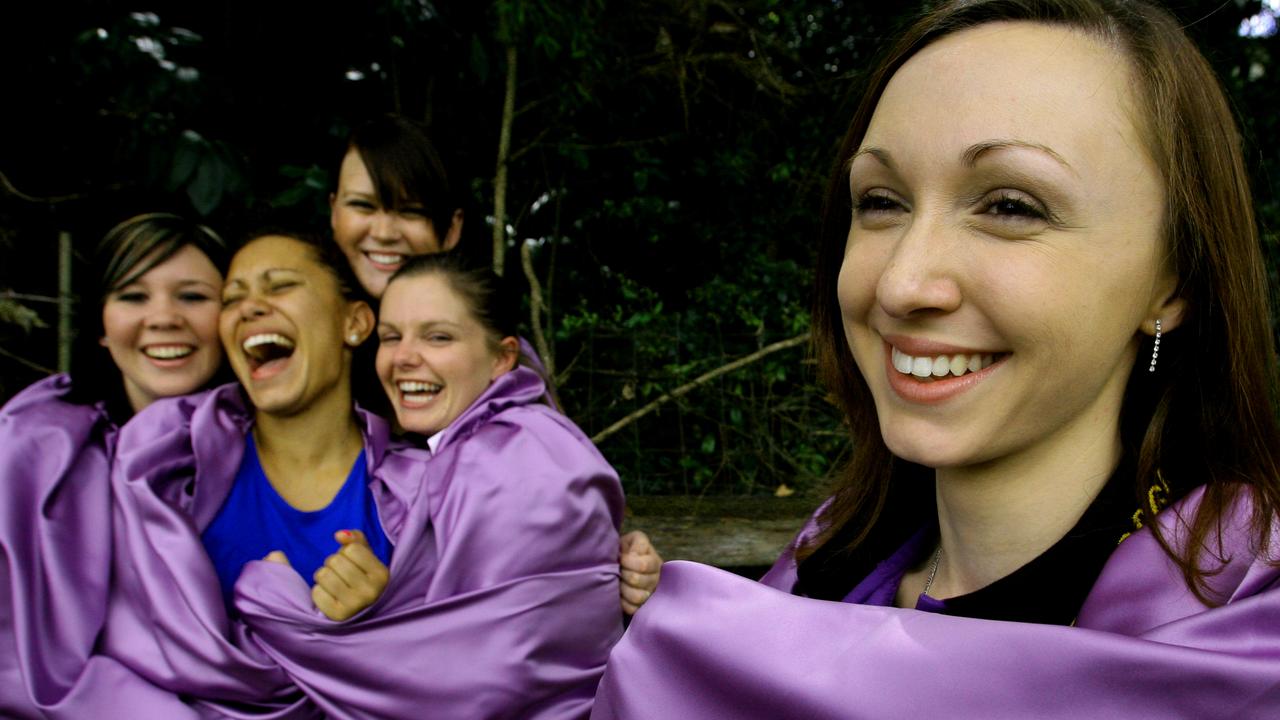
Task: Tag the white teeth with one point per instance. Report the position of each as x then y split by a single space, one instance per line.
254 341
410 386
168 352
940 366
385 258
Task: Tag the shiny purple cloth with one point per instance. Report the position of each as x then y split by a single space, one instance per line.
712 645
503 598
54 543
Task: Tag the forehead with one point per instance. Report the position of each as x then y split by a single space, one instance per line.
423 298
353 175
188 263
1021 81
272 252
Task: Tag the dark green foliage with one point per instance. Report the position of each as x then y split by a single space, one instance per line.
667 166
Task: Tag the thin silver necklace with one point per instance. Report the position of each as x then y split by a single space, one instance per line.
933 570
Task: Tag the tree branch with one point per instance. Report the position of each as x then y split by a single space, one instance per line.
699 381
23 361
536 309
500 175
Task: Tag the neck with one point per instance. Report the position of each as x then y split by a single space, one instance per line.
993 520
308 454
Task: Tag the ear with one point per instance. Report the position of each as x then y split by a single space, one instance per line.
103 341
359 323
452 237
1168 307
333 210
508 355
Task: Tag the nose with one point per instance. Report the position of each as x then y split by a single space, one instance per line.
384 226
920 275
251 306
406 354
163 314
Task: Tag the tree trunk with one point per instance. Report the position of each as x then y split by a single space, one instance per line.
504 150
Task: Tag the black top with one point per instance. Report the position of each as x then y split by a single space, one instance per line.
1049 589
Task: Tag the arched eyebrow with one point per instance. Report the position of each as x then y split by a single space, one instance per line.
971 155
974 152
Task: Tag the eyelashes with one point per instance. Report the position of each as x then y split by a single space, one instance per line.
1002 205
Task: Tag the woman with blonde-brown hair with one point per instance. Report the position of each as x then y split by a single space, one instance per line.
1041 303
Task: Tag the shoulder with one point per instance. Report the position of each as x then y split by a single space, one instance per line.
535 439
48 398
527 458
186 413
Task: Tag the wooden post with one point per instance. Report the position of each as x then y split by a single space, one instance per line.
66 332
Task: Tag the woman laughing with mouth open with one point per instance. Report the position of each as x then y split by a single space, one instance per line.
1041 304
475 580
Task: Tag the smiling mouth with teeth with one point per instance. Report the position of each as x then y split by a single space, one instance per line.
416 390
167 352
385 258
931 368
266 349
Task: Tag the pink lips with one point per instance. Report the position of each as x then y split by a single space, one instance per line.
938 389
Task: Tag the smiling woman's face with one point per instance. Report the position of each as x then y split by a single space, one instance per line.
162 329
1004 256
285 325
377 240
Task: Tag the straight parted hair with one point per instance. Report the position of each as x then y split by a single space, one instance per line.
1207 415
405 168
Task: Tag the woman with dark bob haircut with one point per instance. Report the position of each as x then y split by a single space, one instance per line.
1040 301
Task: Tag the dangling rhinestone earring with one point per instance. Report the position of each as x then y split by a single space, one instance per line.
1155 349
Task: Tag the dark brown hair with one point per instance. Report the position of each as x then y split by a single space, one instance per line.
405 168
128 251
1207 416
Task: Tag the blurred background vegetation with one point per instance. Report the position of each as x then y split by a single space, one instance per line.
662 187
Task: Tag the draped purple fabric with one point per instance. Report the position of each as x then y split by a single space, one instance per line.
503 598
712 645
54 543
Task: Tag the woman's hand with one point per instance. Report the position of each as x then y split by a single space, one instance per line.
640 565
351 579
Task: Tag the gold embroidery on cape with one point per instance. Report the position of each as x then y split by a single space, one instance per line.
1157 499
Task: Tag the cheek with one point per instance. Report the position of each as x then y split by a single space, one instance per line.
205 322
382 363
347 230
117 328
422 238
856 286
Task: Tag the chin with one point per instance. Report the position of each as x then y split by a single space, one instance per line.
928 447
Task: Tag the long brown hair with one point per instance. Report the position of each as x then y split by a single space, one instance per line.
1207 416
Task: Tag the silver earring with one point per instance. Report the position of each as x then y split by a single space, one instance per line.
1155 349
355 339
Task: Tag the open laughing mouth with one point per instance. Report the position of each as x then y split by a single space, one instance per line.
416 393
267 353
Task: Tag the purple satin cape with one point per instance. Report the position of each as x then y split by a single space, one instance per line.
54 543
503 598
712 645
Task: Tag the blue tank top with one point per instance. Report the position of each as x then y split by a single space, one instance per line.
254 520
